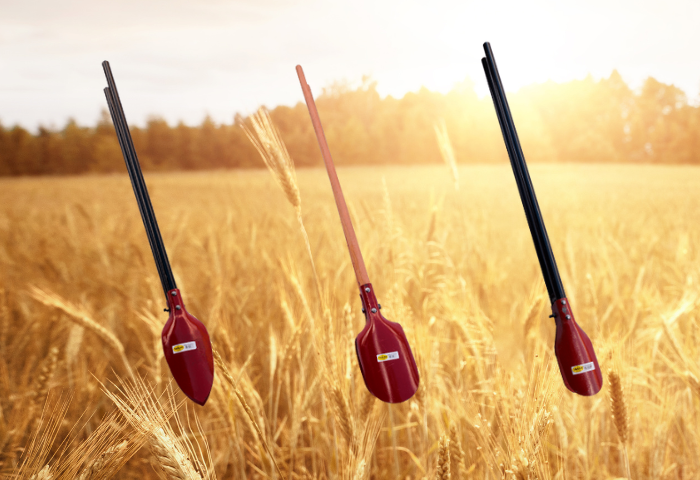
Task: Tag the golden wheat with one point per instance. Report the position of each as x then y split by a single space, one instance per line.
41 384
618 408
174 454
82 318
456 270
443 462
457 465
223 369
268 142
103 462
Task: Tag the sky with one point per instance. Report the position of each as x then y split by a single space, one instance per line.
182 60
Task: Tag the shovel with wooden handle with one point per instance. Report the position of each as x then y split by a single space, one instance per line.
186 343
577 359
385 357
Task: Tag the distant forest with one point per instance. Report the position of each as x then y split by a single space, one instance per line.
577 121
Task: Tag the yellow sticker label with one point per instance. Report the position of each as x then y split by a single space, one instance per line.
586 367
184 347
383 357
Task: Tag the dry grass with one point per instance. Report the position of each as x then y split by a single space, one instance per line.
81 305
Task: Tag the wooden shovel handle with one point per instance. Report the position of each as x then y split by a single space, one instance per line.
358 264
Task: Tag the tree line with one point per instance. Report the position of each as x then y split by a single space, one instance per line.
578 121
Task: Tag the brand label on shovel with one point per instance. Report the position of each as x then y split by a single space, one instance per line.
586 367
184 347
387 356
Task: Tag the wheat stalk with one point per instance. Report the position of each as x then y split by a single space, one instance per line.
311 394
560 429
221 365
694 382
358 461
446 150
34 456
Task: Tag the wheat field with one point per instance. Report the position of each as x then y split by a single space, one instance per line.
85 392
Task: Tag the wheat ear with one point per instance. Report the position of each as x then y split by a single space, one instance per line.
618 405
104 452
360 470
105 462
171 459
232 383
443 466
268 142
366 405
43 474
618 408
341 409
48 367
175 454
81 317
457 462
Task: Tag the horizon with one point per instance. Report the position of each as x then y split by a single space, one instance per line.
184 60
481 95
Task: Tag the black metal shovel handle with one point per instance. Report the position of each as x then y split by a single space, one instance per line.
540 238
137 182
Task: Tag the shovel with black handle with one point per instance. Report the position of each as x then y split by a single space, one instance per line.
186 343
577 360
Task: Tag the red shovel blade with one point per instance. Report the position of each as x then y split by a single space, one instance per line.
187 349
385 357
577 361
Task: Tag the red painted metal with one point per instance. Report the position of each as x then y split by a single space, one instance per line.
385 357
577 360
187 349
